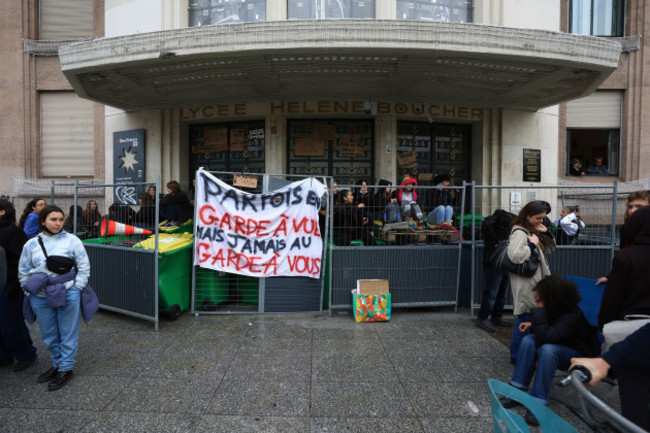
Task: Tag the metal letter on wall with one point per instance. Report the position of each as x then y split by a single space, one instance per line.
128 164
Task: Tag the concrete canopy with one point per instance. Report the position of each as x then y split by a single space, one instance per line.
464 64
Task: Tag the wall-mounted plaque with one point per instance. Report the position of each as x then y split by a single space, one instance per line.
128 164
532 165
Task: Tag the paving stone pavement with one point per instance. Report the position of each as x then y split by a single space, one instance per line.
424 371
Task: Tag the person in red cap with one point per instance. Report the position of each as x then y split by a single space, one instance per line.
408 197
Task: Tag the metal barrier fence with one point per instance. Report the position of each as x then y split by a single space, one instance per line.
416 248
124 266
426 264
216 292
122 246
589 255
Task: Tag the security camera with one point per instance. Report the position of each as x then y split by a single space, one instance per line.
369 108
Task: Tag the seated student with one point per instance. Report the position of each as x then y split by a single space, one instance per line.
568 225
598 168
440 201
576 168
145 217
349 221
91 219
68 224
381 200
175 207
559 332
121 213
408 198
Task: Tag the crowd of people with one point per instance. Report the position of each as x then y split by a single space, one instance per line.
550 331
357 210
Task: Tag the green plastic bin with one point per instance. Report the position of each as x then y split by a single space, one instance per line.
174 271
212 288
247 288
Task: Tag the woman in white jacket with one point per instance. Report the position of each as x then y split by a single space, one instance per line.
528 234
60 325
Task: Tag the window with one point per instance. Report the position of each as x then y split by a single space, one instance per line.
339 148
234 147
67 135
207 12
597 17
448 11
320 9
66 19
439 148
593 132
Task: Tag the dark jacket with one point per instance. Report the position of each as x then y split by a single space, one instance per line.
569 329
185 210
378 202
56 295
494 229
146 215
12 239
439 197
628 285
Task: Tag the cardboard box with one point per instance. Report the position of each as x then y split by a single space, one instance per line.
372 287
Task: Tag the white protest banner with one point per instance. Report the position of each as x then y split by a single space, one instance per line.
260 235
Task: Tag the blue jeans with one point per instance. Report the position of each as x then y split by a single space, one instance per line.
441 214
549 357
60 327
15 341
517 335
494 294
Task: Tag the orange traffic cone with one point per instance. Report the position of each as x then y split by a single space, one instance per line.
110 228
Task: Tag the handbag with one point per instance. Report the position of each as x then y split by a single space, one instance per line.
618 330
57 264
501 261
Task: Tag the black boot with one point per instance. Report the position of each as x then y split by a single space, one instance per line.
61 379
48 375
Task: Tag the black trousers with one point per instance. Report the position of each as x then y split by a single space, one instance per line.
15 340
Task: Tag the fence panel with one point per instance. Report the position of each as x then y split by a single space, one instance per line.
415 248
589 255
122 245
224 293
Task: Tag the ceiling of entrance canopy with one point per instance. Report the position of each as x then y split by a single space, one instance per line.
464 64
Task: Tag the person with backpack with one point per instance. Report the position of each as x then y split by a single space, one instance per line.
559 331
15 341
494 228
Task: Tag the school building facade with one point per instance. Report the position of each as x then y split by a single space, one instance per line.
501 92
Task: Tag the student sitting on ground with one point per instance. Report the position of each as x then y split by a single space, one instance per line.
559 332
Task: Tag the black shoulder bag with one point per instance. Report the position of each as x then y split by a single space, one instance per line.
501 261
57 264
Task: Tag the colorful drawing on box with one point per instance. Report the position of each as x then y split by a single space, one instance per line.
372 308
